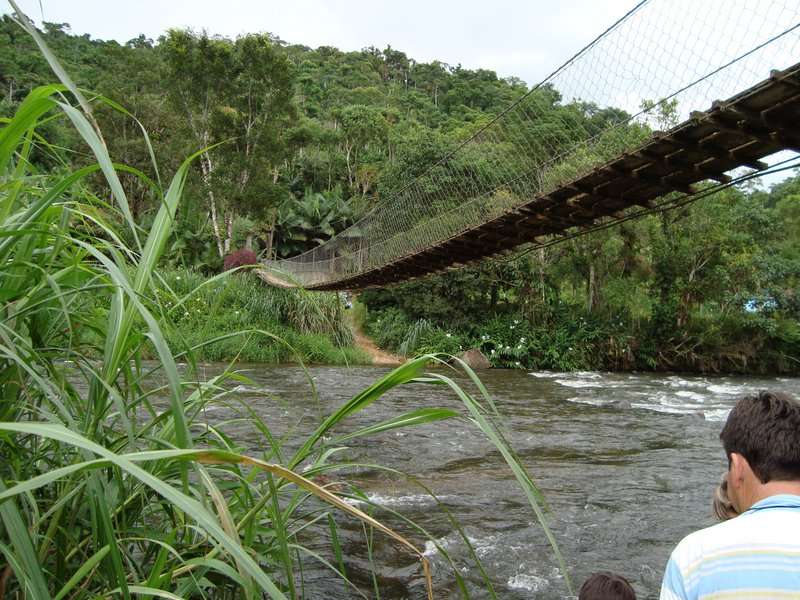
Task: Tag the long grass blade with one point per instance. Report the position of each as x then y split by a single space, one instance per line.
402 374
87 567
28 571
420 416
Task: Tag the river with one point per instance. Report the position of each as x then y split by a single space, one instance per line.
627 463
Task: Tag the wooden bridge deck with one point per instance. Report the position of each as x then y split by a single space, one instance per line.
738 132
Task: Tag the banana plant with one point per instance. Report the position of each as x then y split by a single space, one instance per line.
308 221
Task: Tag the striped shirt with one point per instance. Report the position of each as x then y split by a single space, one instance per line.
755 556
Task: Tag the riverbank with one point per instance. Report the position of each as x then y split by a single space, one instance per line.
565 338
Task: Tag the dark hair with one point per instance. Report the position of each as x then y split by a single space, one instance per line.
606 586
765 429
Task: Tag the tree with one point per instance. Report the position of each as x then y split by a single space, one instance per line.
237 94
360 126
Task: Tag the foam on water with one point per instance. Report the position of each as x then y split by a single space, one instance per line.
407 500
243 389
678 396
587 374
675 381
728 389
527 582
670 400
719 414
579 383
566 374
589 401
430 549
697 397
404 500
485 547
671 410
711 398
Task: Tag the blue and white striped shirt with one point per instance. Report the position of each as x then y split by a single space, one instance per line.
754 556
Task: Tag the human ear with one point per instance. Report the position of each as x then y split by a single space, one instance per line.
739 482
736 470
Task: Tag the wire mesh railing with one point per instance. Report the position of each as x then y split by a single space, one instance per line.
646 72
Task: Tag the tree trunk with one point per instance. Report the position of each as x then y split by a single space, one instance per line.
205 168
591 289
271 234
228 232
215 224
541 275
348 150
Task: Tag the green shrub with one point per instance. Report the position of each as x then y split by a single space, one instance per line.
388 328
437 340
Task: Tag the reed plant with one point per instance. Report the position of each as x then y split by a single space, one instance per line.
111 482
413 338
311 326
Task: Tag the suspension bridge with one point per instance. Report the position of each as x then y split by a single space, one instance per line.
611 135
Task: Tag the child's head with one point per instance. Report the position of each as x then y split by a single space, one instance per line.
606 586
723 507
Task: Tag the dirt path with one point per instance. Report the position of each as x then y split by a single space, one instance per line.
379 357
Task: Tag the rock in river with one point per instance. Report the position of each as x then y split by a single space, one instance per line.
475 359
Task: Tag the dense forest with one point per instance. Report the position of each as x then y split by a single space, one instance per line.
304 141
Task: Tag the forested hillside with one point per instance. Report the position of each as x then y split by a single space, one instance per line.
306 140
309 138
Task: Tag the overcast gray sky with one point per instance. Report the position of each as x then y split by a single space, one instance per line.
512 37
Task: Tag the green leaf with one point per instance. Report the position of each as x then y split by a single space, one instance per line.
402 374
36 103
409 419
85 569
28 573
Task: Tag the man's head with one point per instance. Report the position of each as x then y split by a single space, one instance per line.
606 586
762 441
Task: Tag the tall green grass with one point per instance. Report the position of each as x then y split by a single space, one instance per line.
110 486
312 327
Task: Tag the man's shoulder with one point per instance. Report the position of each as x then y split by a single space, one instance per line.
700 542
758 529
758 550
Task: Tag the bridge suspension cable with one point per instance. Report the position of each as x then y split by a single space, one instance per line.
602 136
